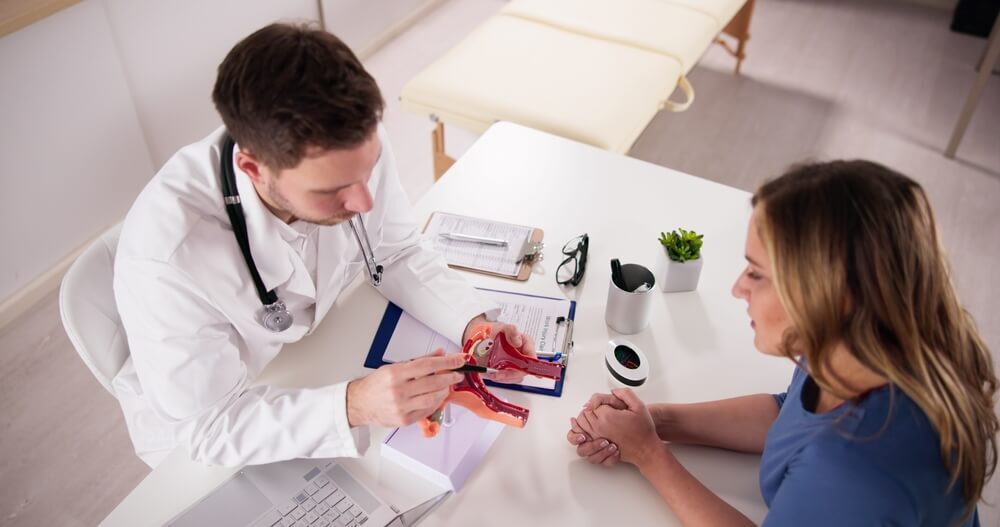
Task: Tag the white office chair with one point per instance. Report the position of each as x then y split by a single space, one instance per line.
88 309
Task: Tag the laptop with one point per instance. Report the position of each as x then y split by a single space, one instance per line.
298 493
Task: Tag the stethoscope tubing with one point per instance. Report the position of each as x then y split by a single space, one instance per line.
374 269
274 314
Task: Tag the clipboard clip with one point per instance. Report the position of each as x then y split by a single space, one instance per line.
563 356
531 252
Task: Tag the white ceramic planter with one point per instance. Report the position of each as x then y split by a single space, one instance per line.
674 276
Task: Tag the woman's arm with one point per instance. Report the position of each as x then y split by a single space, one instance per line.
740 423
633 430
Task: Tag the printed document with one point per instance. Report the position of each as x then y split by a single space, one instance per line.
473 255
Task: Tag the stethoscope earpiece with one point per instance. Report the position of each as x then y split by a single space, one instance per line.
374 269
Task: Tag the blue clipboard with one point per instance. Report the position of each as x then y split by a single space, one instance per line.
391 317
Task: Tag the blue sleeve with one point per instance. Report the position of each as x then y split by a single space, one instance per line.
780 397
835 488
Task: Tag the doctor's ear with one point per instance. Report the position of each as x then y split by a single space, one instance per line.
250 166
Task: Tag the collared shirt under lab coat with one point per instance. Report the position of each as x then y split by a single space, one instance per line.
191 312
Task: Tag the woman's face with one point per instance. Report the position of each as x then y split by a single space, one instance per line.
756 285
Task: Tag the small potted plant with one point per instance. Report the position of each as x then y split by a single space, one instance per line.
678 264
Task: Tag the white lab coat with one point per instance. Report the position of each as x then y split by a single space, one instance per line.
190 312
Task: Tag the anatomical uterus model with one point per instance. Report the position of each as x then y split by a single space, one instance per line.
492 352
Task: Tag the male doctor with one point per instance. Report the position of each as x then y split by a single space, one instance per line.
309 158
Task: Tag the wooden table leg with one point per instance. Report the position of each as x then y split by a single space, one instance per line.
738 28
442 161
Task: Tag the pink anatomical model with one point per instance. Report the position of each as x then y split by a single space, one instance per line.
491 352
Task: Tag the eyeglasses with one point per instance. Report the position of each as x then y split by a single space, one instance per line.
571 270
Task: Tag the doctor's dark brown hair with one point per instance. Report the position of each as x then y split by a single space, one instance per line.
287 88
857 260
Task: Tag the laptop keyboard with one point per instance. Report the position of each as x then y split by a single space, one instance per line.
319 504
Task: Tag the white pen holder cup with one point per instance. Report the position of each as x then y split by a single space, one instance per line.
627 312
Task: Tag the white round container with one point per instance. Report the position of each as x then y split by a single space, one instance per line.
626 364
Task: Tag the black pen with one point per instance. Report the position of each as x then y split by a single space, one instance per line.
616 274
476 368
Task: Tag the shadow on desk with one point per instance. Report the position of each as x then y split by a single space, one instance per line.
686 311
731 475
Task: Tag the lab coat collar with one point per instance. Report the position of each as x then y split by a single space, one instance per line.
270 251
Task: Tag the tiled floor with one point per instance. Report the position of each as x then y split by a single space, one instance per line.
882 80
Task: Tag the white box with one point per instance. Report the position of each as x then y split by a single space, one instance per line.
448 458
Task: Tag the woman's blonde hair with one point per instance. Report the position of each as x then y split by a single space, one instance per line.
856 260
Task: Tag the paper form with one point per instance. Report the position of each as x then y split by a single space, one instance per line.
534 316
483 257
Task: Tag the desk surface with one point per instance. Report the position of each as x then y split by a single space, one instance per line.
699 344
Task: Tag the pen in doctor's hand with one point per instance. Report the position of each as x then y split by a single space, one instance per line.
459 237
476 368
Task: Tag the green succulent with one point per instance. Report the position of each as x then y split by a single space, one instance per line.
682 245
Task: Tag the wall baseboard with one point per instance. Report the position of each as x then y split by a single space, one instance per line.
25 299
394 30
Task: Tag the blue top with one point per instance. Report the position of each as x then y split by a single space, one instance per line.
852 466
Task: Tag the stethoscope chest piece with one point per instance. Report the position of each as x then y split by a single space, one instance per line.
275 317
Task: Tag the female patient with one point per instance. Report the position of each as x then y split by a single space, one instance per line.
888 419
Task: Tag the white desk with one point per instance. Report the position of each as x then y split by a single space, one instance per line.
699 344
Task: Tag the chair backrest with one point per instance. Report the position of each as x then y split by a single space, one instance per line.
89 312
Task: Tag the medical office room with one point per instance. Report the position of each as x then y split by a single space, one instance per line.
691 262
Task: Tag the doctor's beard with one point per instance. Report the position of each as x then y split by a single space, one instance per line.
278 200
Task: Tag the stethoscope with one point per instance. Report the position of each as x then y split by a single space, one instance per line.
274 315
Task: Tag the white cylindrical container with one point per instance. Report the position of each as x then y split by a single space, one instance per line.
628 312
626 364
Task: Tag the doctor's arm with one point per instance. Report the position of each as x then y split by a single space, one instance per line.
417 278
191 366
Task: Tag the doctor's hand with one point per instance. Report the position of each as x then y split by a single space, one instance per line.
403 393
523 344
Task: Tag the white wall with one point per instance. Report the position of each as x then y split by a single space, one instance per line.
359 22
170 50
72 155
95 98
